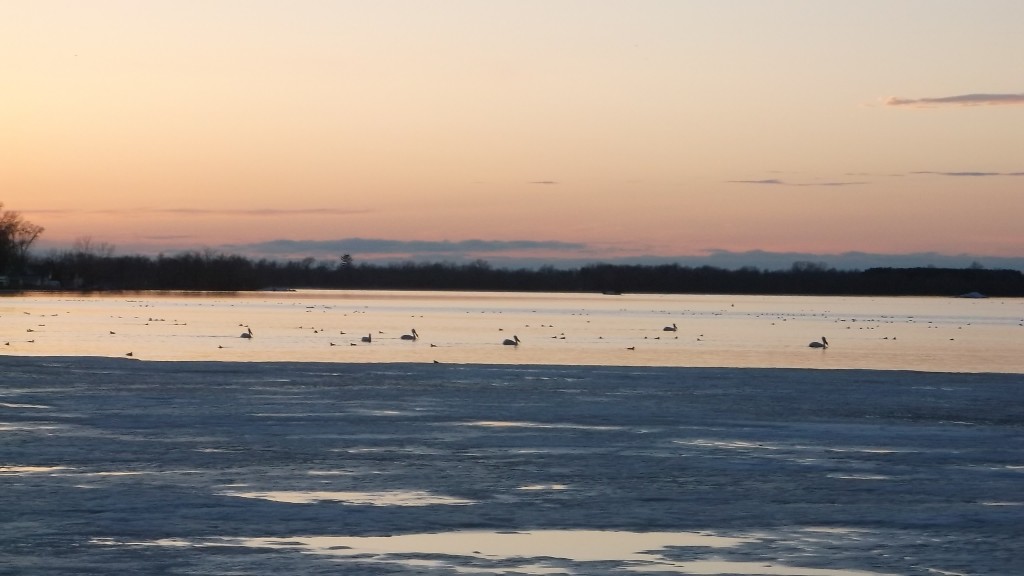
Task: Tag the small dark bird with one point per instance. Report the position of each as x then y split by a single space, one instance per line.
823 344
514 341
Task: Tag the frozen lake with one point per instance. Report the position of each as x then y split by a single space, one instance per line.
112 466
559 456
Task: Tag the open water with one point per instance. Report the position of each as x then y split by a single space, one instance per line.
931 334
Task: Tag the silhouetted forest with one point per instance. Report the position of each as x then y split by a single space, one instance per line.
212 271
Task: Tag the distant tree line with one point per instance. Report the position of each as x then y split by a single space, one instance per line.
96 268
93 266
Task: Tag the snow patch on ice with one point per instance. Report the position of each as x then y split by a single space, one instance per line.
859 476
19 470
537 552
13 405
29 426
738 444
387 498
525 424
544 487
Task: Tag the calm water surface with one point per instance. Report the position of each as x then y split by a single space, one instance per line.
928 334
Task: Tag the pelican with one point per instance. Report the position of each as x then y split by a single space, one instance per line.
368 338
246 334
822 344
413 336
514 341
671 328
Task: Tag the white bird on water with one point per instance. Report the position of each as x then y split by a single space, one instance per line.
822 344
514 341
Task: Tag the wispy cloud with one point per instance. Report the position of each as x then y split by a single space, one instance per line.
777 182
959 100
260 212
971 174
167 237
249 212
544 182
371 246
767 182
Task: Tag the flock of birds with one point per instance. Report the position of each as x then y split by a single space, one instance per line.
414 336
513 341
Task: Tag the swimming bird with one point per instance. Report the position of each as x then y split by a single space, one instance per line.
822 344
247 334
413 336
671 328
514 341
368 338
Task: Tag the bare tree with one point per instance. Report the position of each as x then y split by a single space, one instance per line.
16 237
86 245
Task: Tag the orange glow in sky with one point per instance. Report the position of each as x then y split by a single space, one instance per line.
627 128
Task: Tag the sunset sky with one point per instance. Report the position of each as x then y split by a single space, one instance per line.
554 128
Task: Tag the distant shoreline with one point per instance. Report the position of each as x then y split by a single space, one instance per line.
230 273
258 291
